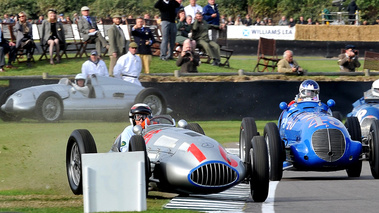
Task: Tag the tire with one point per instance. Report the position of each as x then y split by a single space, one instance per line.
196 128
259 180
354 129
337 114
49 107
3 98
79 142
373 140
137 143
154 99
275 151
247 131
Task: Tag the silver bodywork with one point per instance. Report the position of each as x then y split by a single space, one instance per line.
185 161
109 98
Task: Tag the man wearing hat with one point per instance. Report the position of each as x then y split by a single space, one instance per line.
117 42
348 61
129 66
94 66
89 31
144 38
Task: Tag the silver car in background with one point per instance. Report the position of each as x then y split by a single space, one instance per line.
108 99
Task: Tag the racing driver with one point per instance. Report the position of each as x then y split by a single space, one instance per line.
138 113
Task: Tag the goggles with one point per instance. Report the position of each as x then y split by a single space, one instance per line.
138 117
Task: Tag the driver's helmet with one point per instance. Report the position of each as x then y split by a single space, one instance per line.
139 111
79 76
308 91
375 88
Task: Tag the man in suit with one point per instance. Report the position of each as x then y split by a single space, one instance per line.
7 47
144 38
348 61
89 30
288 65
117 42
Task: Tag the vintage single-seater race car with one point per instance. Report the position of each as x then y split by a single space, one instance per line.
108 99
308 138
179 159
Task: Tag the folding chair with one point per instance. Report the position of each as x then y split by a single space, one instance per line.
71 41
44 46
226 53
371 61
267 56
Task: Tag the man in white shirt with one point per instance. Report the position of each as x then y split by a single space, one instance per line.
94 66
192 9
129 66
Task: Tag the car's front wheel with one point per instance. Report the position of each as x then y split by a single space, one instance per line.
137 143
275 151
373 140
49 107
79 142
154 99
259 179
354 129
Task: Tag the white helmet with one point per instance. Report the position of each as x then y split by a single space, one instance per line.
308 91
375 88
79 76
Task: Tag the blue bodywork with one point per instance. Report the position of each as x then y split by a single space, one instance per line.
314 140
366 109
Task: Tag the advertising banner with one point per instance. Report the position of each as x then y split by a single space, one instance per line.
255 32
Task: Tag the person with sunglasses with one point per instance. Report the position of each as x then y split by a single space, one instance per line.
129 66
137 115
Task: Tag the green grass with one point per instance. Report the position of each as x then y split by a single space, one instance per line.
33 162
73 66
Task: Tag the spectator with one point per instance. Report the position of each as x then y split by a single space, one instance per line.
144 39
130 17
61 18
6 18
230 20
68 20
309 21
188 60
158 19
283 21
238 20
40 19
376 21
351 9
301 20
192 9
53 35
168 15
181 7
129 66
258 22
89 31
79 84
265 21
146 16
211 14
292 22
269 22
288 65
117 42
24 37
223 21
123 20
365 22
7 47
76 18
94 66
348 61
184 27
247 21
200 35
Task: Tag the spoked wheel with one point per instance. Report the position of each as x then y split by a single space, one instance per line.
275 151
259 180
195 127
79 142
373 140
247 131
354 129
49 107
154 99
137 143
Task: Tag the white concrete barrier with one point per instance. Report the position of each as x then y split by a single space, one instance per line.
114 182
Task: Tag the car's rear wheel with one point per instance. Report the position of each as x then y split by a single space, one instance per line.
275 151
195 127
49 107
247 131
373 140
154 99
137 143
3 98
338 115
354 129
259 179
79 142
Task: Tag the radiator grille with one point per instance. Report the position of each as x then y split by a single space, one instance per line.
328 144
214 175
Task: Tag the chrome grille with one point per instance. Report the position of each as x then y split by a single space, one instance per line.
214 175
328 144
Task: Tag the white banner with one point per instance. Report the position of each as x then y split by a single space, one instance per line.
255 32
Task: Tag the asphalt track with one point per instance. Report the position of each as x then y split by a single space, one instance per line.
296 192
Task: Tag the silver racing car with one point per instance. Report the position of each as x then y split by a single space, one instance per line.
179 159
108 98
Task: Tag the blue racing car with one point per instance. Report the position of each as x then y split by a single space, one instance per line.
309 138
